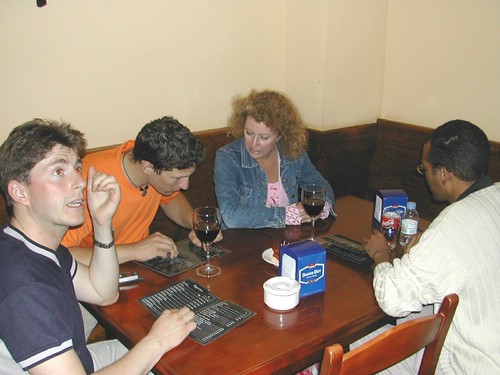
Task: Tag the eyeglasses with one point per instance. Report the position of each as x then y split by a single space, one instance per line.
421 169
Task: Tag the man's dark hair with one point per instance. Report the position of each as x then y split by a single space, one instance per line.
28 144
167 144
462 148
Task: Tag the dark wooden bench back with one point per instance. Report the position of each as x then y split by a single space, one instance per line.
360 160
357 160
343 156
397 154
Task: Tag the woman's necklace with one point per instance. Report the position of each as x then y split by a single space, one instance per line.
143 189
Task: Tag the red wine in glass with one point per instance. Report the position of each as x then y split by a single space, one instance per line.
207 233
313 199
207 225
313 206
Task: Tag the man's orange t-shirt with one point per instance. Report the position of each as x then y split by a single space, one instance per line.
135 212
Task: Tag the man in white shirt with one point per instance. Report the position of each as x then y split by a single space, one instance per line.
458 253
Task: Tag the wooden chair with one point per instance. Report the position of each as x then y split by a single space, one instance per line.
394 345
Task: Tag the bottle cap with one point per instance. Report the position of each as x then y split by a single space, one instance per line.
411 205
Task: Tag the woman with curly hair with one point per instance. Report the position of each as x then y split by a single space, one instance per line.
257 176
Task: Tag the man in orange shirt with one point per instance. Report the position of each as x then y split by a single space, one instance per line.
151 172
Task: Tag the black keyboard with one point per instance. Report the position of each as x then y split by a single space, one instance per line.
345 248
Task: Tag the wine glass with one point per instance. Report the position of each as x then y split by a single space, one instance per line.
313 199
206 225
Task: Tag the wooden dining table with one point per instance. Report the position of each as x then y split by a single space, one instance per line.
270 341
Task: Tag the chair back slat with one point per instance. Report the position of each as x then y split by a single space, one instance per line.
395 345
433 350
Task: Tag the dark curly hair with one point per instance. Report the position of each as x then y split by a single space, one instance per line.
167 144
276 111
28 144
462 148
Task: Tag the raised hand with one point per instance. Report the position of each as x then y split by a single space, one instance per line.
103 196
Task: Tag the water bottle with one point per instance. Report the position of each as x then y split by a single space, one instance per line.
409 224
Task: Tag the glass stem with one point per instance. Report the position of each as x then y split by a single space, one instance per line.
313 220
207 251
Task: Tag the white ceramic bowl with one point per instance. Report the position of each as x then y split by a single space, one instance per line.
281 293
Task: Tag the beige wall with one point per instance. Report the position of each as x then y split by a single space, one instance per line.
111 66
443 62
335 56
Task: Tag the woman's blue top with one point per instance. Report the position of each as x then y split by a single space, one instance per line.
241 187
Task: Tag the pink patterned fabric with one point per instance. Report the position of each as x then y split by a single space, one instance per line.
276 195
293 215
311 370
326 211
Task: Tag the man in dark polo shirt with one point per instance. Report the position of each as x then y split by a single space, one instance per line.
41 329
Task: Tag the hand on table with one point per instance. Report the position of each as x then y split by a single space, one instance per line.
377 248
172 327
167 332
154 245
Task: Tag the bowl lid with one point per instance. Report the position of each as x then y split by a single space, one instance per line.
282 286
